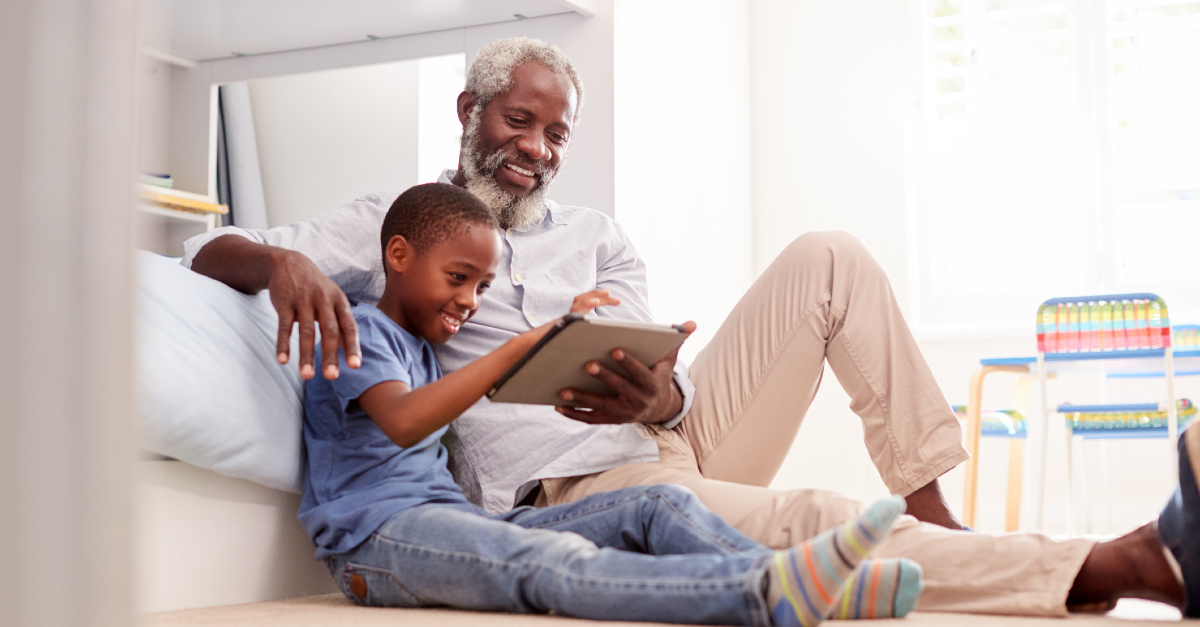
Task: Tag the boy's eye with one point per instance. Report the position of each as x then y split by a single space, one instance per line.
483 287
458 276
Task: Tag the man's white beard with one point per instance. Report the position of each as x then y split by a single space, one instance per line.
480 171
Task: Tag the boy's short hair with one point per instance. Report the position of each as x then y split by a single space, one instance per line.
427 215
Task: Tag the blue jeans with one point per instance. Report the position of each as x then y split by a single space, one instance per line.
648 553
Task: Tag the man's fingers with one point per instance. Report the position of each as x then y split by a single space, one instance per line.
330 342
619 384
638 371
308 337
349 334
286 318
671 357
590 417
585 399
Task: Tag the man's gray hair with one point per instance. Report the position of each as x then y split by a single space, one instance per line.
492 69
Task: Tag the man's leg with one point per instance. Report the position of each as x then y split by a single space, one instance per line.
823 299
964 571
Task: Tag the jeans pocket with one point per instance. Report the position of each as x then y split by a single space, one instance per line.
376 587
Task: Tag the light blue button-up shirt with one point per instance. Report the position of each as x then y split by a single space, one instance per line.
499 450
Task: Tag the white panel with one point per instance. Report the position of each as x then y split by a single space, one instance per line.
212 29
68 70
205 540
326 138
683 154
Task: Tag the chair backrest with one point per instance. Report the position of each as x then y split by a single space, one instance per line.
1187 337
1092 417
1102 323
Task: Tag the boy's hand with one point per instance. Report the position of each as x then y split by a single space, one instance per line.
585 303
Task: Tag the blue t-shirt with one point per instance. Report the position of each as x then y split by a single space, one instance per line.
356 477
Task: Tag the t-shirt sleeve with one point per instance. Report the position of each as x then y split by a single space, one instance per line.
384 358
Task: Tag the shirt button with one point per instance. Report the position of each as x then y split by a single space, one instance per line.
510 231
517 278
529 317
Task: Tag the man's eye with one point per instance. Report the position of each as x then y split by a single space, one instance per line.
558 139
516 121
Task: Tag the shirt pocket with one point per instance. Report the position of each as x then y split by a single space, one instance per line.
567 275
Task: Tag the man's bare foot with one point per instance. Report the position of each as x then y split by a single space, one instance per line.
1132 566
927 504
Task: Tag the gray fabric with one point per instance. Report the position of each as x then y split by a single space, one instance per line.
498 449
242 184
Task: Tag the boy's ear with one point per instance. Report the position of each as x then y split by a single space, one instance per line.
398 253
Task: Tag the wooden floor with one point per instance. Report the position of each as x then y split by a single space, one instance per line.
332 610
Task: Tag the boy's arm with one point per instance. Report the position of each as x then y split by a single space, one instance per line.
408 416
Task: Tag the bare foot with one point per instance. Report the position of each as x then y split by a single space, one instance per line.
927 504
1132 566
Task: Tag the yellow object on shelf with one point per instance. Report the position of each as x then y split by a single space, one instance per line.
182 201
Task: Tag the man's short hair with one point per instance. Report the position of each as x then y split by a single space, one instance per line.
430 214
492 69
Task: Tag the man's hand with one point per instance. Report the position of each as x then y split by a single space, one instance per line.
301 293
643 394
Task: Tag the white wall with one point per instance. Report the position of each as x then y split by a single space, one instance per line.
326 138
683 154
830 94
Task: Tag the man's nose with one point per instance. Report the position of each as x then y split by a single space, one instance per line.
534 146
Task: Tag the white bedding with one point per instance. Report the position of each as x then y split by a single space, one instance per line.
210 390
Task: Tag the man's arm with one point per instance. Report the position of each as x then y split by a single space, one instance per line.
311 268
299 291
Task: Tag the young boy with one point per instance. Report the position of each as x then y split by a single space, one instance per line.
395 530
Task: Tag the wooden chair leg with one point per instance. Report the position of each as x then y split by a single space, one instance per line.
974 408
1016 461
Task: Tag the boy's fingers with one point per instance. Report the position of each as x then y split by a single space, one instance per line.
284 340
308 337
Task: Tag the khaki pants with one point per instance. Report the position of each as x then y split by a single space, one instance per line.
826 299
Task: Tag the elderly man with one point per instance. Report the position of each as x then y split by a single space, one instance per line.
721 429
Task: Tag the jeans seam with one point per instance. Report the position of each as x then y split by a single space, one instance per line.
525 562
610 504
391 574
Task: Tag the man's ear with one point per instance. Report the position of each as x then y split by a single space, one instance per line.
398 254
466 103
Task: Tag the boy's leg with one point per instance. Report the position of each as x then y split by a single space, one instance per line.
661 519
458 557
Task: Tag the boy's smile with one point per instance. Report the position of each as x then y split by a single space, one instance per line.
439 289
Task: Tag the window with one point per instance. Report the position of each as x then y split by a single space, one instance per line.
1056 153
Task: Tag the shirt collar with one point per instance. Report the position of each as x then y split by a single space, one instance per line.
552 208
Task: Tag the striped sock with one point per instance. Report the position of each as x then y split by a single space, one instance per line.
804 580
880 588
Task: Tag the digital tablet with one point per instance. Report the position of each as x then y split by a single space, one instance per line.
557 360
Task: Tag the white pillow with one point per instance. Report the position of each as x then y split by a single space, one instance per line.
210 391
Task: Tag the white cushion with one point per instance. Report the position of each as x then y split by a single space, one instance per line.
210 390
